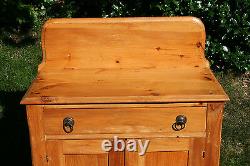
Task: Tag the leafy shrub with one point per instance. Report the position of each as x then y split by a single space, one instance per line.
15 17
227 25
227 22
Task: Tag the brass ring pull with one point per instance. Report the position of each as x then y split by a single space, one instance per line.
68 124
180 123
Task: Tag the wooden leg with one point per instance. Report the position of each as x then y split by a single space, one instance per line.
213 140
37 137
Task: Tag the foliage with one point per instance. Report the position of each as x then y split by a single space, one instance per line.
227 22
227 26
15 17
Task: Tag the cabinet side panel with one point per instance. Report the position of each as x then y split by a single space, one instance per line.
37 137
213 140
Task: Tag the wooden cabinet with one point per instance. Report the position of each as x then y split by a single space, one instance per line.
140 79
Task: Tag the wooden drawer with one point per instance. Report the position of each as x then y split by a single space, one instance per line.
125 121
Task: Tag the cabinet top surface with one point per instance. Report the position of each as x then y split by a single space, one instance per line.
123 60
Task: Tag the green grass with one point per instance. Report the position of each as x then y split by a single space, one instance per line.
235 150
19 66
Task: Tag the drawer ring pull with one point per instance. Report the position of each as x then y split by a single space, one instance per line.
68 124
180 123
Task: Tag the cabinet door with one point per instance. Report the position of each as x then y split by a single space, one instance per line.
81 153
161 152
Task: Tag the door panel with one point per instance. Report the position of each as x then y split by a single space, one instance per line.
86 160
178 158
161 152
81 153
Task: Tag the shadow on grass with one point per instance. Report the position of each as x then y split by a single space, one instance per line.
14 138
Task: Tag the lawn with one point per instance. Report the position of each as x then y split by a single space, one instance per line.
19 66
235 148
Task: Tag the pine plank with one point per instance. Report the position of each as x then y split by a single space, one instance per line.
125 85
124 60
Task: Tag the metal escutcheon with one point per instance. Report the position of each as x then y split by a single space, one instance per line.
68 124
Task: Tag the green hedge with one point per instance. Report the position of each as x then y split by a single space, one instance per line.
227 22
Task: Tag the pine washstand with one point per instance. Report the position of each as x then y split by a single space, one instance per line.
134 78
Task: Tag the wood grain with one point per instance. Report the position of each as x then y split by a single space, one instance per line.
116 158
103 42
55 156
81 152
111 106
163 62
127 135
82 147
213 139
37 136
125 86
161 152
178 158
125 120
197 152
86 160
169 144
125 77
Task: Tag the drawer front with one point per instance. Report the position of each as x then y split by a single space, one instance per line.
125 121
